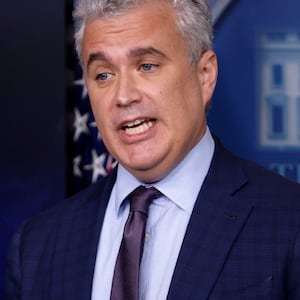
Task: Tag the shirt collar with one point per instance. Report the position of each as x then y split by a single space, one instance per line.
182 184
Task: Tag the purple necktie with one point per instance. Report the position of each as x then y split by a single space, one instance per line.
126 274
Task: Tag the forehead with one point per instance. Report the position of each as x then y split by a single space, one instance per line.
146 26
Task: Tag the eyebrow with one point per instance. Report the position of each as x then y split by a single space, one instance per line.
97 56
134 53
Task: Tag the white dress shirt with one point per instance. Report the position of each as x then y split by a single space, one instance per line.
166 225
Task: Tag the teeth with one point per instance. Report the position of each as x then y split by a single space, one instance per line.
135 123
140 127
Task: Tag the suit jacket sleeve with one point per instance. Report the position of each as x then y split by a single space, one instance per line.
294 274
13 272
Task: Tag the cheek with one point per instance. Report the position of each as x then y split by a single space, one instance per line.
100 102
175 98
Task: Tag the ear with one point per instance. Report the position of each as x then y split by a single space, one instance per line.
207 74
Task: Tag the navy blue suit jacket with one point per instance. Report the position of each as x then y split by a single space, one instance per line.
242 241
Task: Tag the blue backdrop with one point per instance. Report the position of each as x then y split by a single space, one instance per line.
258 46
255 109
32 93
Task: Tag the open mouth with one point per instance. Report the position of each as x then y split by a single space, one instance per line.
138 126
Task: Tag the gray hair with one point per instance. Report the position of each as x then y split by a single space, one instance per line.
193 21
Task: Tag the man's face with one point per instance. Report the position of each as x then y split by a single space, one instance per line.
147 99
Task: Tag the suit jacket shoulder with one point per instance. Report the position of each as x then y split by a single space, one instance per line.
52 256
242 241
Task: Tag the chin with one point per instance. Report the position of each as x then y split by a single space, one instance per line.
144 172
148 173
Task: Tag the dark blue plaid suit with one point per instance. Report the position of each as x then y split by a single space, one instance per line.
242 241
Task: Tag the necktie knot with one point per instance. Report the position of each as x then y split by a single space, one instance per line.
141 198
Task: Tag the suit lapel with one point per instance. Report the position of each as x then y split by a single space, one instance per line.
215 223
77 242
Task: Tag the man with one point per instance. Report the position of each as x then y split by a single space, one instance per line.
222 227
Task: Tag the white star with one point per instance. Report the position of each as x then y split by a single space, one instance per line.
97 165
80 124
76 169
81 82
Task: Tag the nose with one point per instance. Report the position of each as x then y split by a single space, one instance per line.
127 91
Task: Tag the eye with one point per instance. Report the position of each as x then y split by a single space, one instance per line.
148 67
103 76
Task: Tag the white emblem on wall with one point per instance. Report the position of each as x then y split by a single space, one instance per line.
279 90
